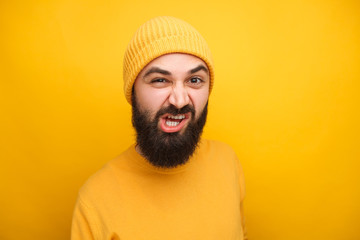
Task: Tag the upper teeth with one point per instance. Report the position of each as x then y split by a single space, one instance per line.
182 116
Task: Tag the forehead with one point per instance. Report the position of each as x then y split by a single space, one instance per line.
175 62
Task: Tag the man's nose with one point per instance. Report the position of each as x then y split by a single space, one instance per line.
179 96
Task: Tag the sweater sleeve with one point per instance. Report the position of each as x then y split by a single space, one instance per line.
83 227
242 192
243 221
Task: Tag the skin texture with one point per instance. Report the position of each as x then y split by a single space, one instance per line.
169 80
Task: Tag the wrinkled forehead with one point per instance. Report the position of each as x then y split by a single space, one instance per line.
174 63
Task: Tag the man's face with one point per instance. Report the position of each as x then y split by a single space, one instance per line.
169 108
174 79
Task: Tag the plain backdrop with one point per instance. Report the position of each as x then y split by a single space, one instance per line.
286 98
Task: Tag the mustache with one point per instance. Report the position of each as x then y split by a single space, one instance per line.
174 110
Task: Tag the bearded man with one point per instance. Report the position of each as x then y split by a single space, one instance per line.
171 184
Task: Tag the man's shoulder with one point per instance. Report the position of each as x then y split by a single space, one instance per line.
220 157
96 183
106 178
215 145
216 149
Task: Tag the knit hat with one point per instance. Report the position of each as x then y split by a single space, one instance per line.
159 36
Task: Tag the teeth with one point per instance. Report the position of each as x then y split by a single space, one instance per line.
182 116
172 124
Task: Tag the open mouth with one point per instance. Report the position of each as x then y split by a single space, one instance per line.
173 123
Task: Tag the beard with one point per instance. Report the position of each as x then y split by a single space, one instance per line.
162 149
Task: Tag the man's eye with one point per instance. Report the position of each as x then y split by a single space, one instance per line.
158 80
196 80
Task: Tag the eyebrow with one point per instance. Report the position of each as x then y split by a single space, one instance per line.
164 72
198 68
156 70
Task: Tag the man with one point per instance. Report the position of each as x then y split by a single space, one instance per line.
170 184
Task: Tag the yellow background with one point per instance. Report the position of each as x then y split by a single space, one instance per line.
286 97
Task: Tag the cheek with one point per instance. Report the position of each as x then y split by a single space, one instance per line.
199 100
151 99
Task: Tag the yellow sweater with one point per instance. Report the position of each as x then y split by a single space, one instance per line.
131 199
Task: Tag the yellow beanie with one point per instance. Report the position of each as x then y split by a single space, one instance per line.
159 36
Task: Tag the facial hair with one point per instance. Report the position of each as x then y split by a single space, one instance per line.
162 149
